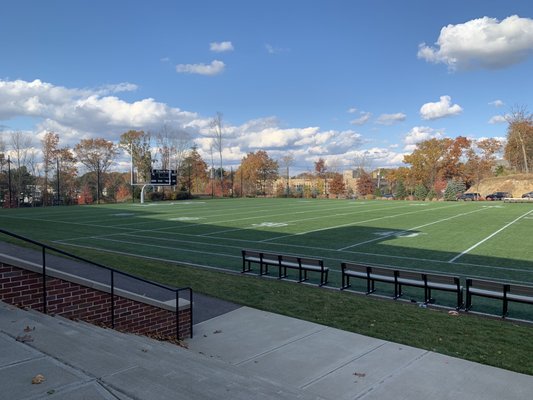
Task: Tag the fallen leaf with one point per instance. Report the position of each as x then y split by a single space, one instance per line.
453 313
217 331
37 379
28 329
359 374
24 339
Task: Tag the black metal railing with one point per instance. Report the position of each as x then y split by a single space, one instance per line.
112 271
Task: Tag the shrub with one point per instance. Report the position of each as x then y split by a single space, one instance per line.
420 192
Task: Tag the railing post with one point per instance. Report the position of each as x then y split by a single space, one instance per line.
112 299
45 308
190 307
177 314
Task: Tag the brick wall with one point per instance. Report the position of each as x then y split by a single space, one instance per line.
24 288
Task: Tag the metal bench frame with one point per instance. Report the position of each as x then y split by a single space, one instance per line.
400 278
498 290
284 262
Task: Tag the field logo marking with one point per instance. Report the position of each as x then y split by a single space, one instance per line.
270 225
489 237
409 234
408 231
402 234
384 233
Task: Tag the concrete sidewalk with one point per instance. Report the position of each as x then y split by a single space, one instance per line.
334 364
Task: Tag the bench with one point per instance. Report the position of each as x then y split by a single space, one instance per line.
497 290
400 278
284 262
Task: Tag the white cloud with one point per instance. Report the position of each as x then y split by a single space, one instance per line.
83 112
390 119
88 113
499 119
275 50
497 103
418 134
482 43
216 67
220 47
351 110
363 118
442 108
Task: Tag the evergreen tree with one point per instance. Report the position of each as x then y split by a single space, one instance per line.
401 193
420 192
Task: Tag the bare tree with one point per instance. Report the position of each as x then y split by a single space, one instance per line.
519 138
20 145
363 162
217 126
3 158
286 162
173 146
97 156
33 166
49 148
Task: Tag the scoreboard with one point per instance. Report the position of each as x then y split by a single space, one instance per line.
163 177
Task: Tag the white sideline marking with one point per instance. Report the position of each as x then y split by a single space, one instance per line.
408 231
175 261
488 237
352 224
185 219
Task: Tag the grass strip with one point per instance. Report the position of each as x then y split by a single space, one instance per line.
499 343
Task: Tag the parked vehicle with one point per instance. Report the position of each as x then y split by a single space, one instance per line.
498 196
469 197
528 195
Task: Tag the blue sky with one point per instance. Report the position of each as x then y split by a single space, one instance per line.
331 79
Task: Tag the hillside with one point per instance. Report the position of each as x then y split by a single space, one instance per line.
516 184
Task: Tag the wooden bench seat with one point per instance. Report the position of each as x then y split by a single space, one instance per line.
284 262
498 290
399 278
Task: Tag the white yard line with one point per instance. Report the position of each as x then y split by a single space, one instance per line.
353 223
175 261
175 228
410 229
489 237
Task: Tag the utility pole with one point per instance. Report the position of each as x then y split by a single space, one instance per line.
98 183
57 186
9 181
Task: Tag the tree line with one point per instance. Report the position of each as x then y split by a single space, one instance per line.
50 176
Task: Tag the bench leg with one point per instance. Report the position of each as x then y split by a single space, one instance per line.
345 281
468 304
397 291
505 308
323 278
371 286
459 299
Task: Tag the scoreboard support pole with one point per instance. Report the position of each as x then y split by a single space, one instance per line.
142 193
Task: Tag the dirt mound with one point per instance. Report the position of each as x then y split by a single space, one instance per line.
516 184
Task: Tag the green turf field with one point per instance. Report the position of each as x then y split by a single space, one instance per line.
472 239
477 239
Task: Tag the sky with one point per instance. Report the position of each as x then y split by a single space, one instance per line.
341 80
